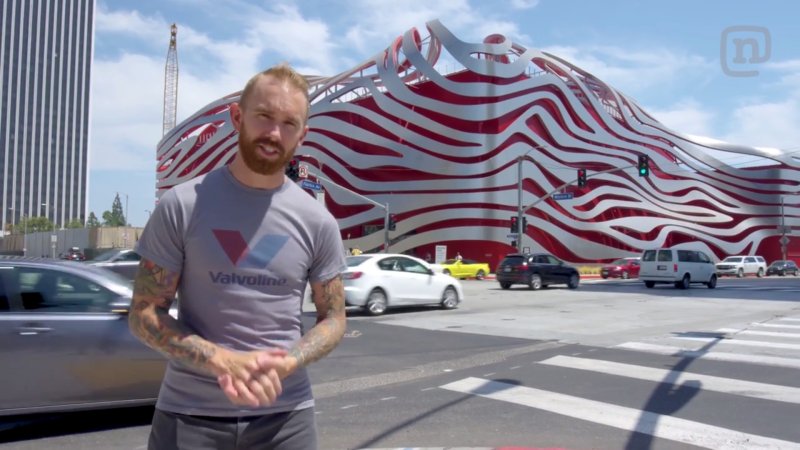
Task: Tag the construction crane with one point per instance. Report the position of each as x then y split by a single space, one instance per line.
171 82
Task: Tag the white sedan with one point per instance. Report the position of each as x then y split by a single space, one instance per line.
379 281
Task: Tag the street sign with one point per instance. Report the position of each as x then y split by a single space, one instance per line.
306 184
512 235
562 196
303 171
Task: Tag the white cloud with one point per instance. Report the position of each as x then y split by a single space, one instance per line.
524 4
149 29
634 71
687 117
769 124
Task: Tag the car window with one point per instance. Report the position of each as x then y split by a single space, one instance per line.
512 260
5 303
649 255
620 262
409 265
48 290
760 259
664 255
552 259
469 261
131 256
449 261
353 261
732 259
749 259
702 257
390 264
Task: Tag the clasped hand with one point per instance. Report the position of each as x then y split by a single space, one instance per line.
252 378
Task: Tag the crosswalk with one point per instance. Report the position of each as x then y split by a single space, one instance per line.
734 359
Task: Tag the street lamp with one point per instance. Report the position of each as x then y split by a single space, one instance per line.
521 228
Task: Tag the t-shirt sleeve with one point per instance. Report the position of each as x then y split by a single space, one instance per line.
161 241
329 260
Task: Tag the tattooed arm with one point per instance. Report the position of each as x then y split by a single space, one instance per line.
240 374
324 336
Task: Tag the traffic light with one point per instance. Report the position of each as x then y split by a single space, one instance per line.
644 165
392 222
293 169
524 224
514 224
581 177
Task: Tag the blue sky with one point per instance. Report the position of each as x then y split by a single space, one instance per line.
666 55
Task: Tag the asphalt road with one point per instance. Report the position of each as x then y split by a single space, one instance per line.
609 365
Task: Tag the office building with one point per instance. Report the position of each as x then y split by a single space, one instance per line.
46 52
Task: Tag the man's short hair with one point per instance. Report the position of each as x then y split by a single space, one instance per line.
281 72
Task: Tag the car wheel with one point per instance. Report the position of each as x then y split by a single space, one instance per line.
574 280
625 275
760 272
740 273
535 282
604 276
376 302
649 284
712 283
505 285
480 275
684 283
449 298
446 272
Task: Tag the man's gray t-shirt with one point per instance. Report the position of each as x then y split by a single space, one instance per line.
244 257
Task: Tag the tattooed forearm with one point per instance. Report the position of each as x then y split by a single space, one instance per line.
153 293
331 322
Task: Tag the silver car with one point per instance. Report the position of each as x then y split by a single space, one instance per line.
124 261
65 339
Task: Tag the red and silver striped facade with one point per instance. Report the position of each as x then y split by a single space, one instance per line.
442 148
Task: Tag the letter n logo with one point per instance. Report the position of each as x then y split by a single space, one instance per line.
242 256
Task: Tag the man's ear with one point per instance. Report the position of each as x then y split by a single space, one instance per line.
236 116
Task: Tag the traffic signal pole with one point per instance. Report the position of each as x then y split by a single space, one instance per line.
385 207
520 227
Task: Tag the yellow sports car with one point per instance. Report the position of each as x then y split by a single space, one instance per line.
466 268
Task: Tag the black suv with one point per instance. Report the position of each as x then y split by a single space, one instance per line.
536 270
782 268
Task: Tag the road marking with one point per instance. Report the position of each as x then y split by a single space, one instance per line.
629 419
742 342
744 388
714 356
774 325
759 333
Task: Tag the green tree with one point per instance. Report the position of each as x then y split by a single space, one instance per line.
35 224
115 217
74 223
92 222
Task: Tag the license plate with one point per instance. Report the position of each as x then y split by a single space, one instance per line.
507 269
662 267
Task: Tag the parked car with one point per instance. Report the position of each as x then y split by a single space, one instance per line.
783 267
741 266
622 268
376 282
465 268
123 261
535 270
677 266
66 344
73 254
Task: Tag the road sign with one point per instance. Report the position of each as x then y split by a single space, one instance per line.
562 196
306 184
512 235
303 172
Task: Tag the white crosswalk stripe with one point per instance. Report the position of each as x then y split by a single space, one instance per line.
755 344
629 419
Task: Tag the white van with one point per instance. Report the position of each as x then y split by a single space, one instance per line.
678 266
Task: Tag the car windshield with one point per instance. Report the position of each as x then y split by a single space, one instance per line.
353 261
733 259
620 262
513 260
778 263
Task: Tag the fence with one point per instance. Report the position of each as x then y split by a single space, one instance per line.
53 243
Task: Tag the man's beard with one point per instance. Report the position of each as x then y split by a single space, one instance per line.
250 154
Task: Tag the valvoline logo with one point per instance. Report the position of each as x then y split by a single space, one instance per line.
242 256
